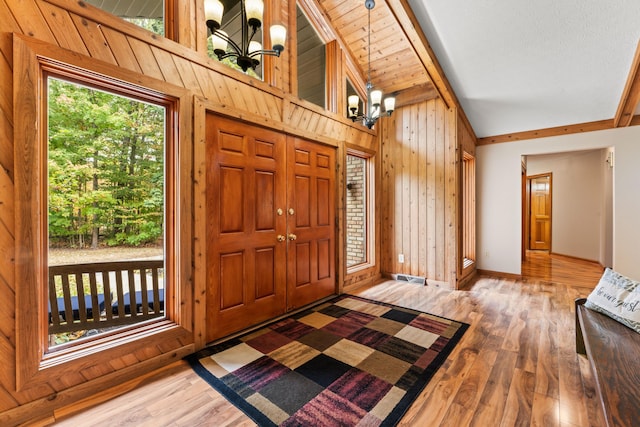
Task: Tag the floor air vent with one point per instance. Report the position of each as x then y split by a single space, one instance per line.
411 279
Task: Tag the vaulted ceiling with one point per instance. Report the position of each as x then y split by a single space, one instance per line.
512 65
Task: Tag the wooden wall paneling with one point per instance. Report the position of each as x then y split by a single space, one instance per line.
92 36
146 59
6 204
419 195
382 194
121 50
432 135
414 182
397 200
7 401
63 28
187 74
7 256
7 347
30 19
405 195
6 156
440 187
165 61
205 81
9 25
422 129
7 316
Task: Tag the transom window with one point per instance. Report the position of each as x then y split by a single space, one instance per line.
148 14
312 59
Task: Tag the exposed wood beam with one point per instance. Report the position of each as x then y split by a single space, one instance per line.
416 94
411 27
631 94
543 133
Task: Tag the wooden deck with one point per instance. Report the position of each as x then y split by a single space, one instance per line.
516 365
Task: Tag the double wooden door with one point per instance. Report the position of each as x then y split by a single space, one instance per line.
270 226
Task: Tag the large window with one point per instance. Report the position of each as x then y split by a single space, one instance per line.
312 59
102 168
106 209
358 206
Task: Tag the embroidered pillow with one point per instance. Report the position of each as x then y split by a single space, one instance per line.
618 297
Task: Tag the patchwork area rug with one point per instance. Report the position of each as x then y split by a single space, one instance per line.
350 361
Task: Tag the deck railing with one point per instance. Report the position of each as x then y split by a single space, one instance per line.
104 294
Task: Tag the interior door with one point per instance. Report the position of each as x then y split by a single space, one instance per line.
246 196
311 222
540 216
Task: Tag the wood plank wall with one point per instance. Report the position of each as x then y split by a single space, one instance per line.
97 35
418 192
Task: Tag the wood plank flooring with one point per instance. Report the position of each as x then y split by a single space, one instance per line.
515 366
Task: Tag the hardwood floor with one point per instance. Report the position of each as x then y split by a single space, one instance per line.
515 366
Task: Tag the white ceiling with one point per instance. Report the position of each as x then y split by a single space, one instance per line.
520 65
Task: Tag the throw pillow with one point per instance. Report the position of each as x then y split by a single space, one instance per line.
618 297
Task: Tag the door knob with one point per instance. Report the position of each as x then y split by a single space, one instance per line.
292 237
279 212
281 238
291 211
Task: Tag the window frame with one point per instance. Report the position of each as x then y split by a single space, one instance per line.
369 191
34 61
468 211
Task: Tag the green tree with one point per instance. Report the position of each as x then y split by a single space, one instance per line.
106 167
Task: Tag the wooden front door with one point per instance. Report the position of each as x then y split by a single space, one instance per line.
270 224
540 212
311 224
246 263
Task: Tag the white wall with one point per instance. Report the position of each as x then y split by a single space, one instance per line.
577 201
499 198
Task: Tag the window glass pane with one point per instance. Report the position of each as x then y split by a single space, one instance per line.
356 211
311 62
232 25
106 211
148 14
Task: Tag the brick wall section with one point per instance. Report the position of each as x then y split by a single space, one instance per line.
356 211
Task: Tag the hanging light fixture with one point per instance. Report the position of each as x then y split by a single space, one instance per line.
372 109
246 54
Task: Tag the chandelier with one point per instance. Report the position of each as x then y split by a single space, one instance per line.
247 52
372 109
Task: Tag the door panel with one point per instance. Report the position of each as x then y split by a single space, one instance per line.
540 205
271 224
311 272
246 264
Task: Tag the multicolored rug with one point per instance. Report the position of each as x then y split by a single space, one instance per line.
350 361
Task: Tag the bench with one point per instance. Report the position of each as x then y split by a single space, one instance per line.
613 351
75 307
